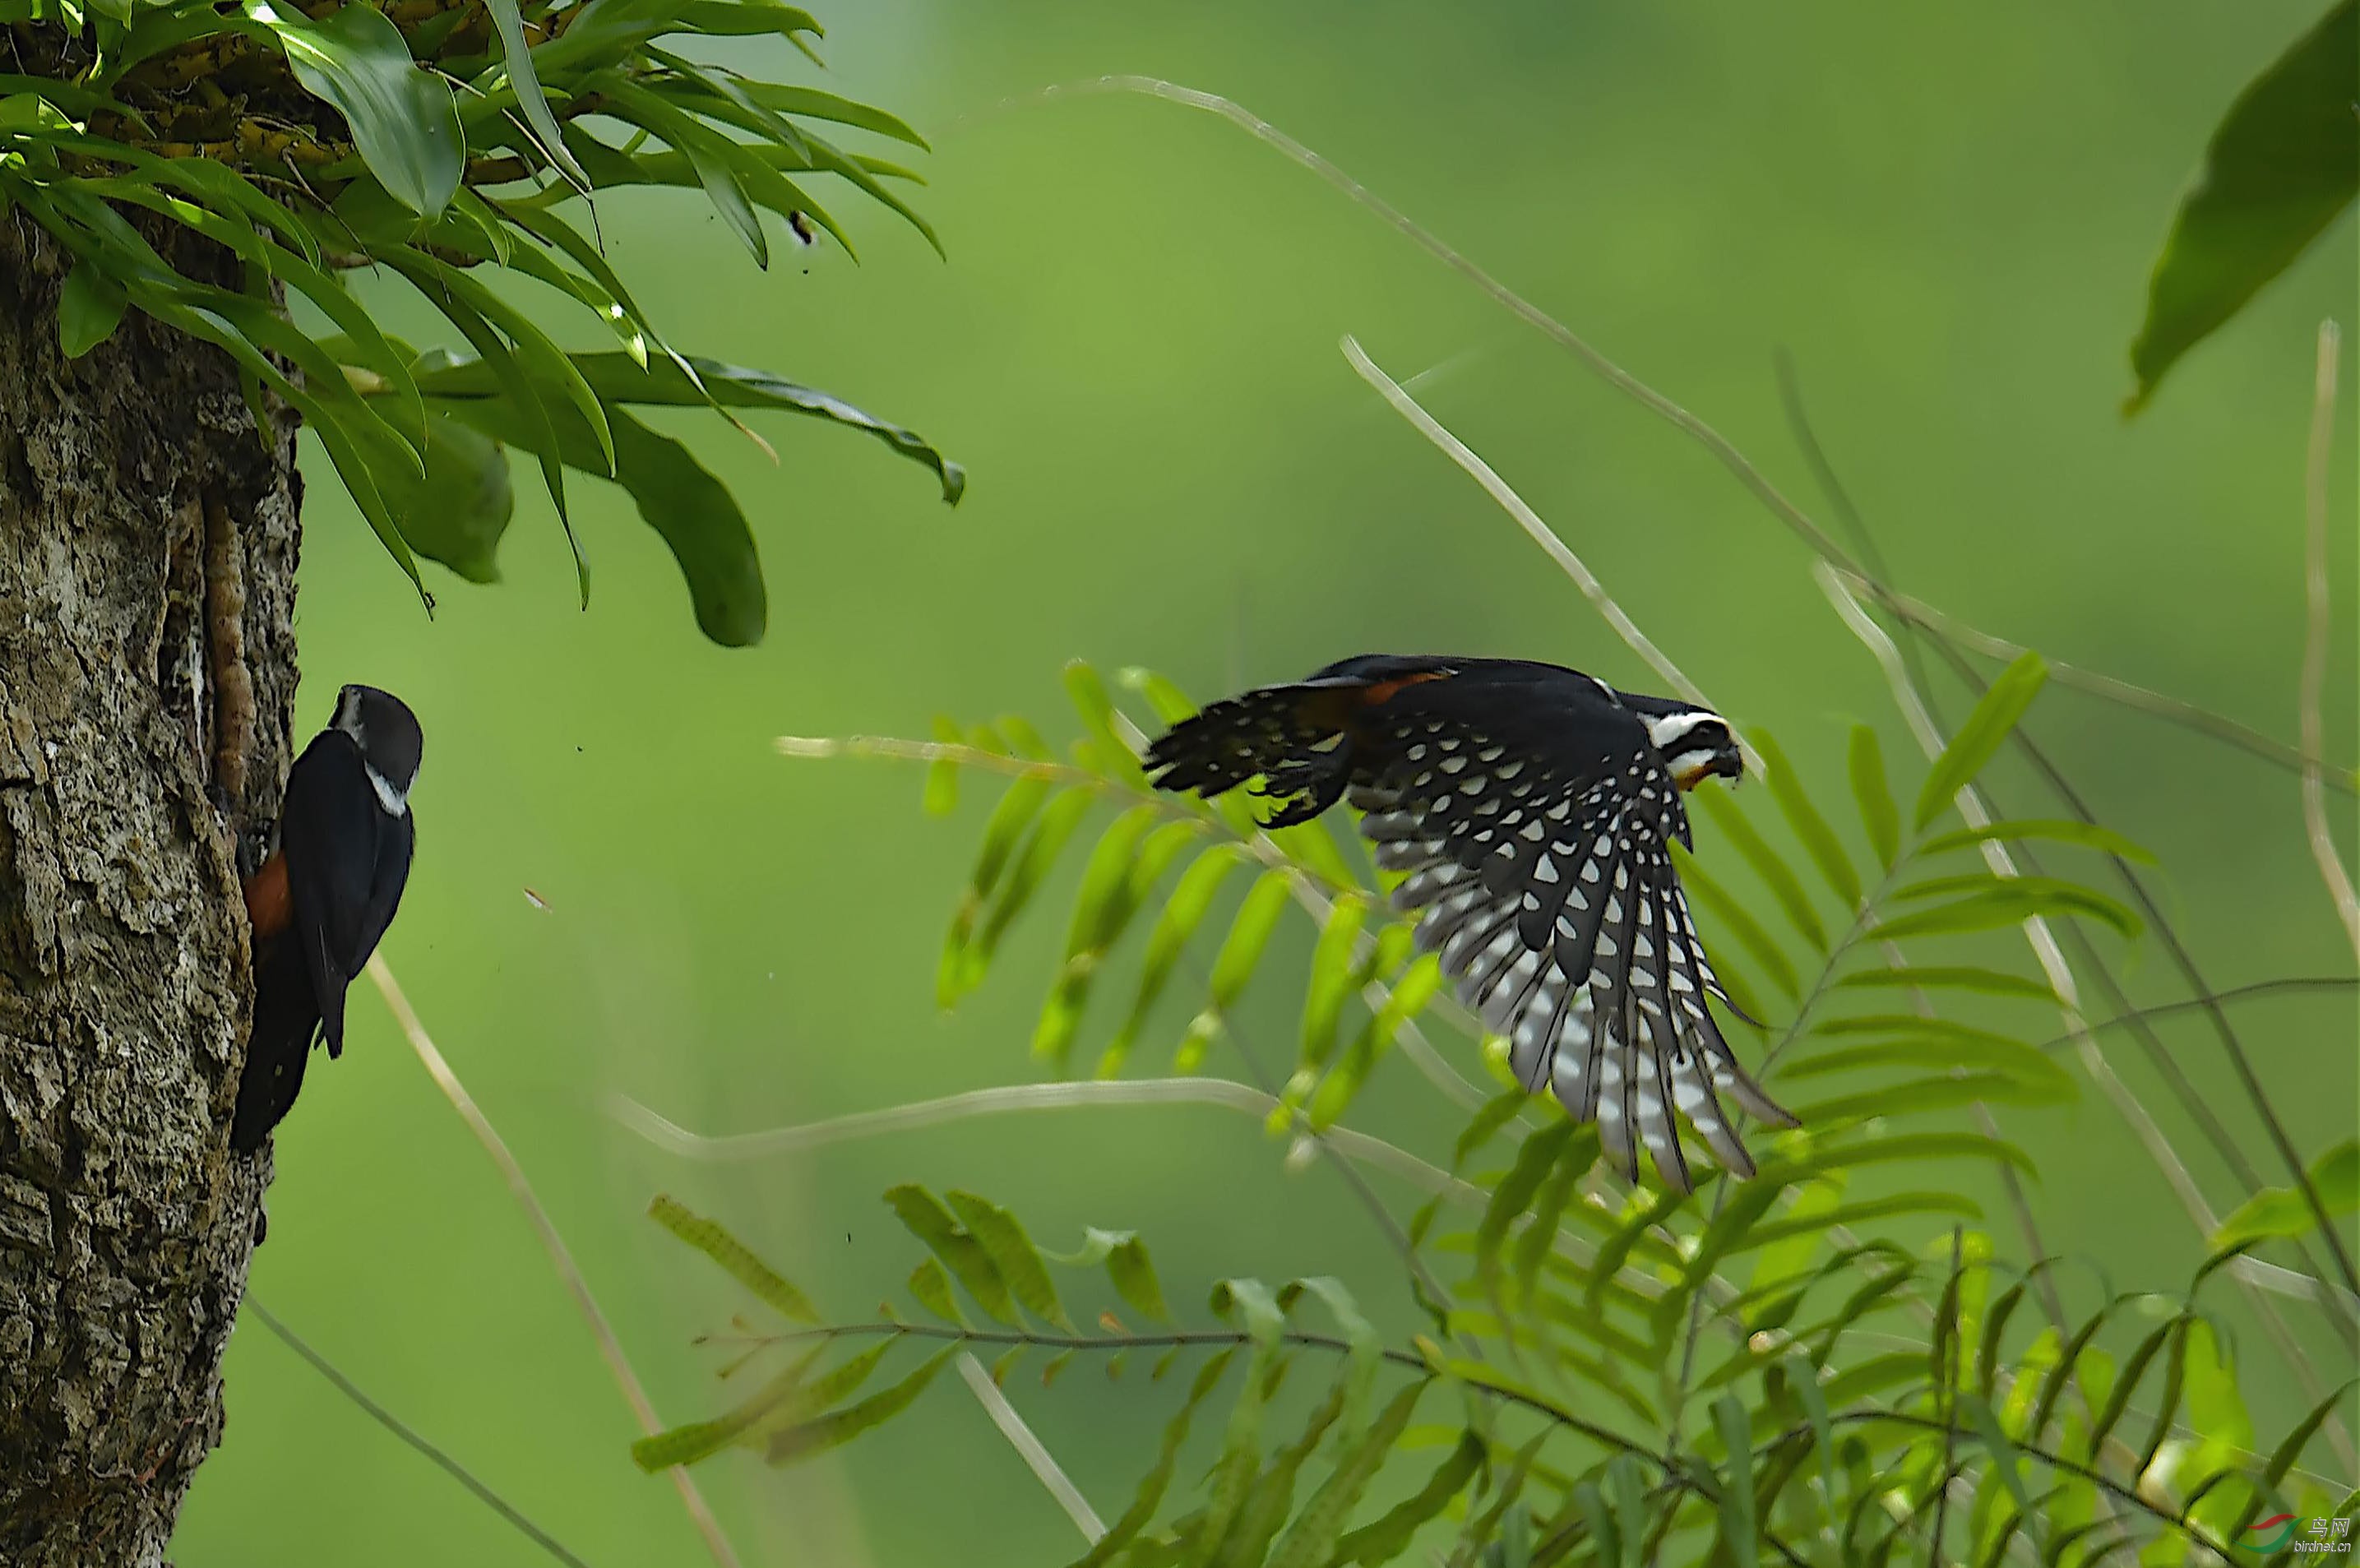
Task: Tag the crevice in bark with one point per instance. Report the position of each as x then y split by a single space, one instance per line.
149 536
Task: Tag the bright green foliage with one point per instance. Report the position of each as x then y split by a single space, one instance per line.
1829 1364
440 143
2282 165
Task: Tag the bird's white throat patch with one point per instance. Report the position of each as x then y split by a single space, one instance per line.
393 799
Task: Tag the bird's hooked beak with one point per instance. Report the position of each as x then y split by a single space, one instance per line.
1726 762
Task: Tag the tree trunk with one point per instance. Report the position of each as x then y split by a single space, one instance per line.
147 544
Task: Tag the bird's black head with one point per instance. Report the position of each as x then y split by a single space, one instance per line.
385 729
1695 743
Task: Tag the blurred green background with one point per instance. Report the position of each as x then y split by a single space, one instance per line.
1948 217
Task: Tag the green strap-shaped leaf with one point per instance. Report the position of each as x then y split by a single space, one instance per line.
1331 980
1088 693
1158 1479
1127 1265
1873 793
1722 909
1557 1193
1809 827
696 383
1248 935
1312 1539
403 119
699 1440
1738 1530
1767 863
1413 990
2125 1384
2284 1211
1051 833
1367 1353
708 1238
2066 1366
2290 1449
2067 831
1982 733
2005 1462
1164 697
1951 977
1273 1497
1935 1046
2167 1404
924 1217
1514 1194
1240 1460
806 1439
1103 906
2281 165
932 1290
2008 902
1184 913
1002 832
1386 1538
1012 1254
1499 1530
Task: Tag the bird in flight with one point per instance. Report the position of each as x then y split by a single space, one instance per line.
1530 809
323 897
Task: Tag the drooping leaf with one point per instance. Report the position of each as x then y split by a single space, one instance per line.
457 514
1012 1254
1983 732
90 306
691 511
1954 978
1874 794
1102 908
931 1288
923 1214
1767 865
708 1238
1738 1530
1184 913
1386 1538
617 378
699 1440
2281 165
1240 1459
2067 831
2284 1211
1312 1539
1809 827
403 119
1366 1352
806 1439
1015 812
1158 1479
2008 902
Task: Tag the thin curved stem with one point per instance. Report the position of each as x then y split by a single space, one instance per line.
1016 1098
560 1257
2314 642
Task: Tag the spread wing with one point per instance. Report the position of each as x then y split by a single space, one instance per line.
1534 839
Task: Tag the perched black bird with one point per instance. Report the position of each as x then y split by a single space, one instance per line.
322 899
1531 807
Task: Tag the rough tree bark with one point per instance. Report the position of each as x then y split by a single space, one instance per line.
145 532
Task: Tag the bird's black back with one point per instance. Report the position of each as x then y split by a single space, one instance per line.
347 859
